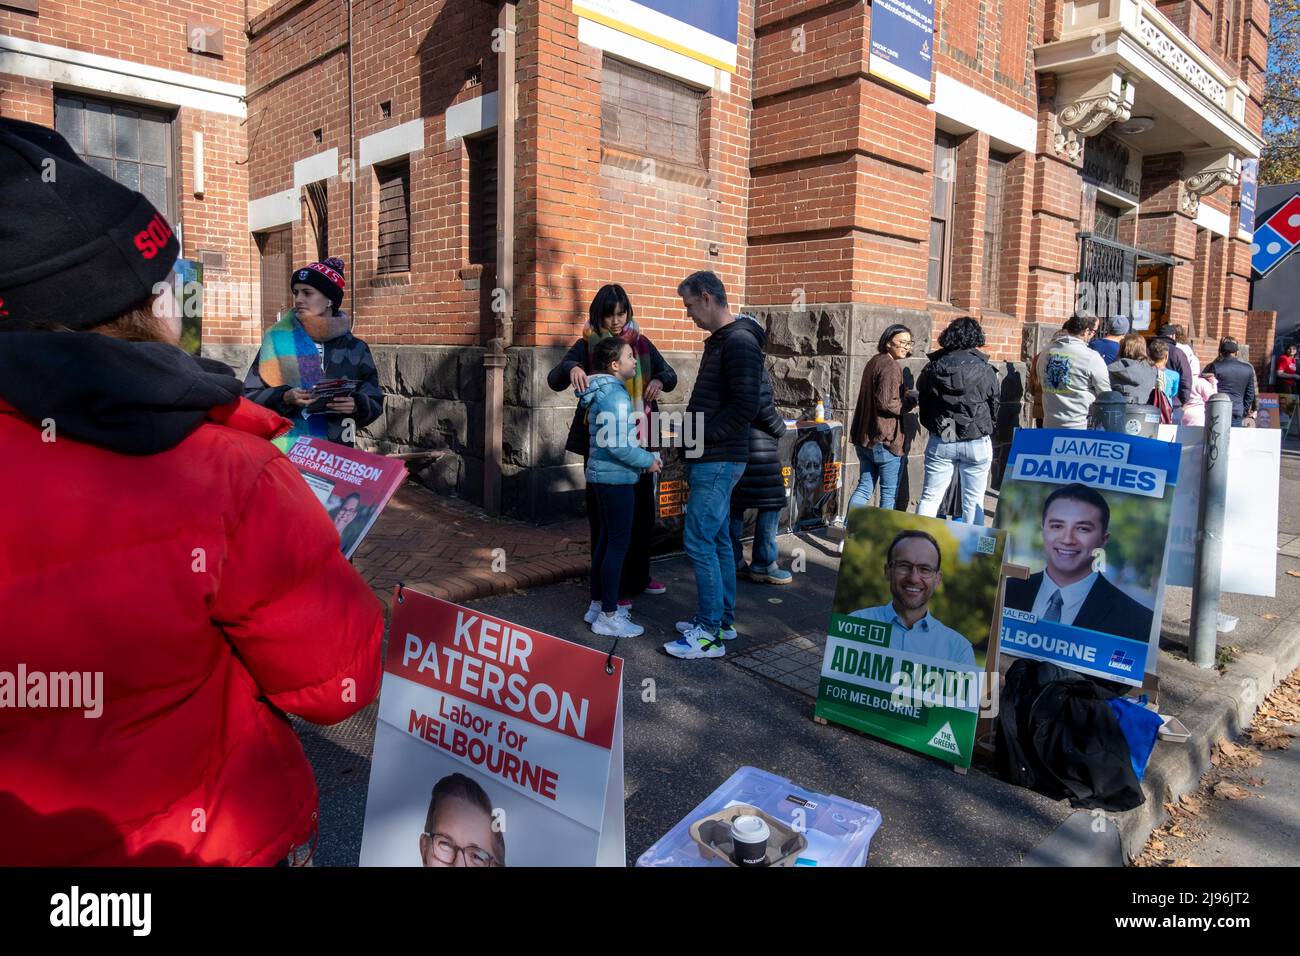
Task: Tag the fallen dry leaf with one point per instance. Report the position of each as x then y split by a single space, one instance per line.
1271 740
1294 574
1184 862
1230 791
1271 617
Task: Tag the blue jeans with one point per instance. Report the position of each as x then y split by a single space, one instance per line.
973 458
707 536
878 463
616 503
764 538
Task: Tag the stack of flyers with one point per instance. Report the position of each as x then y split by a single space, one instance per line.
326 390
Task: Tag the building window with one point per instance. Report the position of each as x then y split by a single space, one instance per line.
648 114
941 216
318 218
1106 221
994 203
130 143
394 217
482 199
1225 28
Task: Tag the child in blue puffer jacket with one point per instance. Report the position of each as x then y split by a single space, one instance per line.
613 467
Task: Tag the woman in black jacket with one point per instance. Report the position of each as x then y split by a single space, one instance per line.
959 398
610 313
761 487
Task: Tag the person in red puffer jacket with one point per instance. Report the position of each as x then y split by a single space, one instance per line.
160 553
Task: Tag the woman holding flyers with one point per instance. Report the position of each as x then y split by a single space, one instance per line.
313 343
166 556
610 314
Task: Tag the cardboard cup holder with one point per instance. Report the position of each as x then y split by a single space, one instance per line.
712 836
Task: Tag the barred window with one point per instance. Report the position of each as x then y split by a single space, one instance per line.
994 203
482 199
394 217
649 114
941 214
130 143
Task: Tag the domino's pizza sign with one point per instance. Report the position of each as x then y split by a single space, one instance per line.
1276 238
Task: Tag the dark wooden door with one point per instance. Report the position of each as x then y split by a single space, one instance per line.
276 248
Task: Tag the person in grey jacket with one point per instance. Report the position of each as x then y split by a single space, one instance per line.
1132 374
1070 375
614 466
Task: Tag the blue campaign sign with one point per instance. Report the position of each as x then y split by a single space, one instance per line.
1087 515
717 17
1249 193
1092 652
902 44
707 32
1123 463
1268 248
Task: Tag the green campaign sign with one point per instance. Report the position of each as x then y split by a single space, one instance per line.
909 630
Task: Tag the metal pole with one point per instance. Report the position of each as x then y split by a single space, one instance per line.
1209 530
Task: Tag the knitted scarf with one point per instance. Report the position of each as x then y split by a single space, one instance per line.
289 357
636 384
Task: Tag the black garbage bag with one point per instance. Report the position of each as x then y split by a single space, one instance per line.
1057 734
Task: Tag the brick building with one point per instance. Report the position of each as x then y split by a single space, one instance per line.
138 88
484 167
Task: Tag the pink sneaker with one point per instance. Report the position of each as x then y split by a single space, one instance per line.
626 602
655 587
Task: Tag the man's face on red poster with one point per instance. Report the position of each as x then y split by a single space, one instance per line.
347 511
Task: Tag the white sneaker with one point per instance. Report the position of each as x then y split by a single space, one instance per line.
593 612
616 626
694 644
726 633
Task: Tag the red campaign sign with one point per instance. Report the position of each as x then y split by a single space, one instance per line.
353 485
513 670
1287 220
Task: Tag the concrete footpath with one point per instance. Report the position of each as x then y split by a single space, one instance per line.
754 706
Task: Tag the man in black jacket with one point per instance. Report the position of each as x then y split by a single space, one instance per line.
1236 380
725 402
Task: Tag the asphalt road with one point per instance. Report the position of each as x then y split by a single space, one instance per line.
709 717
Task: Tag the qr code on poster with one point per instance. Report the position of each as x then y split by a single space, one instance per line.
987 544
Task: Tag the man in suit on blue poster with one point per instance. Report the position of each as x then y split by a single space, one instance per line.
1075 526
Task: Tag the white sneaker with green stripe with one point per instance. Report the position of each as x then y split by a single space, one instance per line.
727 632
696 643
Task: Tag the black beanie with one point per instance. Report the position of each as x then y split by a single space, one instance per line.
325 277
76 248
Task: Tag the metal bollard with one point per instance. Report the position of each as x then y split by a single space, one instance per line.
1209 530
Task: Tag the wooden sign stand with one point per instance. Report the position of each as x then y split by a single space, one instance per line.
984 727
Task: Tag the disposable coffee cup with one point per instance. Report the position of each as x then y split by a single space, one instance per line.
749 836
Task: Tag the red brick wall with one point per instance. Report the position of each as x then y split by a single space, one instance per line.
589 216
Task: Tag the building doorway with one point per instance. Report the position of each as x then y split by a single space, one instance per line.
276 248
